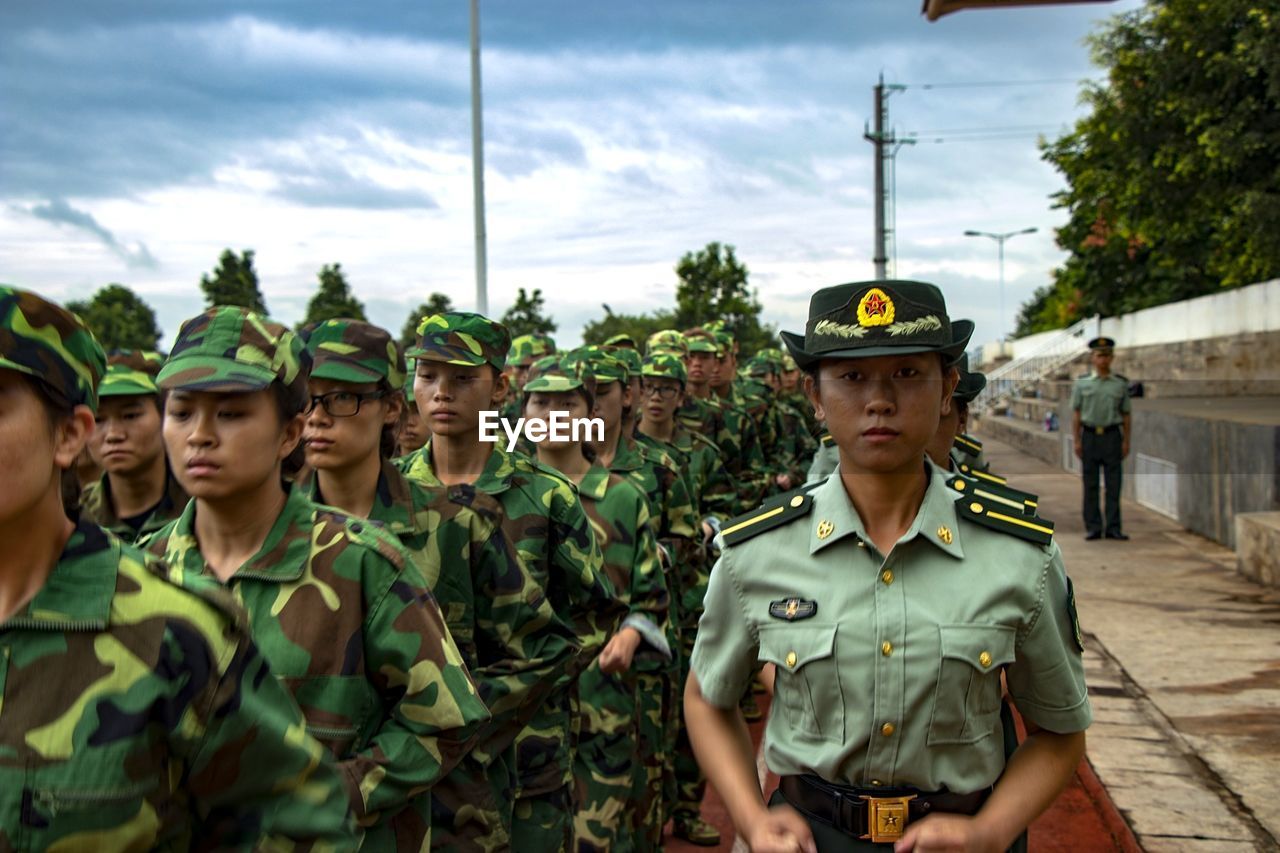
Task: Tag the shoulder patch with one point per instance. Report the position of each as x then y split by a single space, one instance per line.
772 513
968 444
826 440
1033 528
979 474
1014 499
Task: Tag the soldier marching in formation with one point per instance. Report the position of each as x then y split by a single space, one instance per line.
352 621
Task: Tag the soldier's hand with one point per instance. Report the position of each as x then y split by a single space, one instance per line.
1124 449
1078 448
783 481
618 653
945 833
780 830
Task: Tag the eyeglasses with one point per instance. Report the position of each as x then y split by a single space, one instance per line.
664 392
342 404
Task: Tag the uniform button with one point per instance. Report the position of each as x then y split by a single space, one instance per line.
886 648
876 783
887 576
985 658
887 729
791 659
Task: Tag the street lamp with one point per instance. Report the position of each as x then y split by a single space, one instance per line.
1000 238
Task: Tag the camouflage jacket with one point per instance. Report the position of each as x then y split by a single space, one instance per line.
735 434
97 506
544 519
350 628
498 614
796 445
798 401
136 716
756 400
619 517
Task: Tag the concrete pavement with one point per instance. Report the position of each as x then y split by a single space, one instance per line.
1183 662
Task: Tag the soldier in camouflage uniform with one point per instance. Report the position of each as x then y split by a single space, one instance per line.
614 809
525 350
460 357
136 715
413 431
795 445
511 641
137 494
790 391
336 604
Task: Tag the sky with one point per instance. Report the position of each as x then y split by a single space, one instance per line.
142 137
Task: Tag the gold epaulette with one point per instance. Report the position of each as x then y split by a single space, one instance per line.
776 511
1033 529
967 444
1024 502
970 471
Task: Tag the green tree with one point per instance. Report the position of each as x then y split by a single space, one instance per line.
333 298
713 286
638 326
119 318
437 303
1173 176
234 282
525 317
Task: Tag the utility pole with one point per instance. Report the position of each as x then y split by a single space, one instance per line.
477 165
883 141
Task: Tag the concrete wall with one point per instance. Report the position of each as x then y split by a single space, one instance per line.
1223 468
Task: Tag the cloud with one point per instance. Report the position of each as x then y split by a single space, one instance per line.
59 212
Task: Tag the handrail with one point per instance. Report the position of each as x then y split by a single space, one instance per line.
1062 348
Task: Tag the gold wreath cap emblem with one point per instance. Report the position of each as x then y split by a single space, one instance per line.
875 308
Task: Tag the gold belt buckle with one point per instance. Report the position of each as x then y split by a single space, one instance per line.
886 817
1099 430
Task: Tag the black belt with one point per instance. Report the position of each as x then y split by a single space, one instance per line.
875 814
1097 430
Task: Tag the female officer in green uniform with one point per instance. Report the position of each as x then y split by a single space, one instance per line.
134 714
341 612
890 605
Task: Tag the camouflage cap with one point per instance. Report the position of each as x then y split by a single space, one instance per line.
555 374
667 340
526 349
630 358
229 348
131 373
355 351
461 337
876 318
723 336
47 342
601 364
623 341
788 363
665 365
761 365
701 340
971 382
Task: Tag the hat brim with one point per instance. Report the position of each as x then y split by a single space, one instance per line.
213 373
340 370
126 388
448 356
961 331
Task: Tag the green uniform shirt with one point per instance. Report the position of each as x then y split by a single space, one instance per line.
134 715
825 460
889 666
97 506
544 519
350 628
1102 401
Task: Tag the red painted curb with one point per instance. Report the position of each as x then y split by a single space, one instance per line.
1119 828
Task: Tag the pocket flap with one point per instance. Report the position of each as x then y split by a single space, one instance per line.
791 646
984 647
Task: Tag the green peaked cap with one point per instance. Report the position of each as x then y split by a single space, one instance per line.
526 349
667 340
47 342
131 373
555 374
971 382
230 348
461 337
876 318
355 351
664 365
601 363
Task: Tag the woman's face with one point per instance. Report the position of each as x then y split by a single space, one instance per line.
882 411
659 399
127 439
571 405
33 453
226 444
611 400
450 396
334 442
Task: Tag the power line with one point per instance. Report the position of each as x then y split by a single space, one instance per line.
1008 128
988 84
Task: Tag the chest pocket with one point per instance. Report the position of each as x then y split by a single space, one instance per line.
966 703
92 804
807 687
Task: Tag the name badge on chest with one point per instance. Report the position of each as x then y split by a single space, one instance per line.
792 609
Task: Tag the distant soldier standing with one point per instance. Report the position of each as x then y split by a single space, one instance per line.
1101 422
